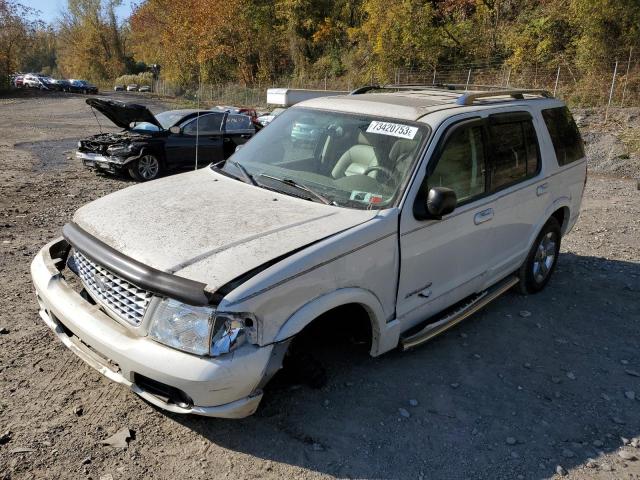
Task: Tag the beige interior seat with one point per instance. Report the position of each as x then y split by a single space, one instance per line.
401 155
355 161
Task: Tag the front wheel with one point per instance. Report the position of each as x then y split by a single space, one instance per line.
145 168
536 271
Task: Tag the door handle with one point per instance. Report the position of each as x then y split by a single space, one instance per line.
246 135
483 216
542 189
426 293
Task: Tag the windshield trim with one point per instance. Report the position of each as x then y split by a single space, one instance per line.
398 198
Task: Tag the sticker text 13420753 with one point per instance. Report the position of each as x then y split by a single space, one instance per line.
392 129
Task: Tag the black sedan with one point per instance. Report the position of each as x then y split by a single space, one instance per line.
150 145
81 86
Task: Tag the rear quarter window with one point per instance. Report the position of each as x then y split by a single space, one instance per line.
565 135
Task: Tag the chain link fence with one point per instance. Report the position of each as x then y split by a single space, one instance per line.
615 85
618 85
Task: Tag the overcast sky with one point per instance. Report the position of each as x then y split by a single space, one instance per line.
51 9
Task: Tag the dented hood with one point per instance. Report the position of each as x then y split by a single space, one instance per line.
210 228
123 114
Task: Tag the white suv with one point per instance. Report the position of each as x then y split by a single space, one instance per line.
408 209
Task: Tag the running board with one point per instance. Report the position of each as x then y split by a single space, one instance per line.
455 317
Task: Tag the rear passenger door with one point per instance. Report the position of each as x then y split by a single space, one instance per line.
517 185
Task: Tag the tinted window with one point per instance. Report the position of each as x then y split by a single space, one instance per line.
205 124
238 122
461 165
514 152
564 134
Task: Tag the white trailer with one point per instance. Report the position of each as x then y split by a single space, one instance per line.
286 97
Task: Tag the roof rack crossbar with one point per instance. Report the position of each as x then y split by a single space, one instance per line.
470 98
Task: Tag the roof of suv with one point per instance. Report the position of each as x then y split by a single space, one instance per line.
410 104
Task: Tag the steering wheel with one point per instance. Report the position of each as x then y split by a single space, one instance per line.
379 168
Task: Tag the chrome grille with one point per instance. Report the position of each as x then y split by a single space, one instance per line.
116 294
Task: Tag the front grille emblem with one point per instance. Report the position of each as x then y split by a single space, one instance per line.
100 284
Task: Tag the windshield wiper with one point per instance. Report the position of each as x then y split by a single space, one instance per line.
245 173
292 183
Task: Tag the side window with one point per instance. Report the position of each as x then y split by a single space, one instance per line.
208 124
238 122
565 135
514 152
461 164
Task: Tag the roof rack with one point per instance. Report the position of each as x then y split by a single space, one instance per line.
368 88
467 98
470 98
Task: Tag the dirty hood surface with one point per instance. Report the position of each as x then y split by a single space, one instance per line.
181 224
122 114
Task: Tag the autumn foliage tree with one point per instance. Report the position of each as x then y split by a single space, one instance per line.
91 42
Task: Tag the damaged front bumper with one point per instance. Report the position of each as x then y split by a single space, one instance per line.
105 163
227 387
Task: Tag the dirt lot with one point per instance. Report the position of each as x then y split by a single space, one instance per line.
526 385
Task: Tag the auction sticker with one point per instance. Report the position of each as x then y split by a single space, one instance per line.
392 129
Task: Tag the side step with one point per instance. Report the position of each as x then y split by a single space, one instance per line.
455 317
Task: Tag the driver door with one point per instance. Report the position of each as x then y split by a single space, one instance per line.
444 261
206 132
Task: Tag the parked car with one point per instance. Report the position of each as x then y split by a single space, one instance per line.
144 88
118 88
267 118
31 80
152 144
18 81
132 88
251 112
305 130
81 86
413 212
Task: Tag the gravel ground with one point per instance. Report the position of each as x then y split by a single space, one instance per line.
525 386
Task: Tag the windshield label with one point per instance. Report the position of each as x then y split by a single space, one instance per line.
392 129
366 197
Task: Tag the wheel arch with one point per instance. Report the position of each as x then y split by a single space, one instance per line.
341 298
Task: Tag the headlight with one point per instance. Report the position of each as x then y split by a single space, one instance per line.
199 330
119 150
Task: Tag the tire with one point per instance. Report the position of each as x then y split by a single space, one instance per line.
145 168
535 272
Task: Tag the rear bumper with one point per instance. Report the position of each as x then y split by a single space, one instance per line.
224 387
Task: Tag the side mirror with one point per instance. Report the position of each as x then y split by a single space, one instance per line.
439 201
175 130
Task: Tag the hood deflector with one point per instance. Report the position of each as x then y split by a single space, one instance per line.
123 114
173 286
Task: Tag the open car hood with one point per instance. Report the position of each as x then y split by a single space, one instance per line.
123 114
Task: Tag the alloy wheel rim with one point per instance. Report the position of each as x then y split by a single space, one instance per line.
545 257
148 167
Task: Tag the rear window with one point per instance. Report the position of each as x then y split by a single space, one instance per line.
565 135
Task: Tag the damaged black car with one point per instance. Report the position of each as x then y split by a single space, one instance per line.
150 145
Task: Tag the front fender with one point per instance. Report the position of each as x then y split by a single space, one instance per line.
382 332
